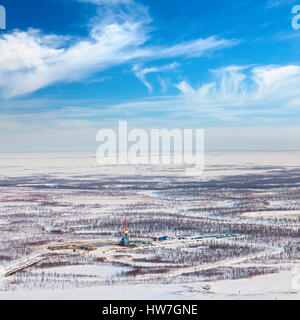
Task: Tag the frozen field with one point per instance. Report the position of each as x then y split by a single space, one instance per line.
62 198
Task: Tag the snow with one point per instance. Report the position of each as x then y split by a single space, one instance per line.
272 214
216 164
274 286
84 166
89 270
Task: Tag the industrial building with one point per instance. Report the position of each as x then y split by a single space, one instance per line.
125 240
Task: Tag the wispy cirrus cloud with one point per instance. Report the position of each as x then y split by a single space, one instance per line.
234 94
196 48
244 86
141 72
31 60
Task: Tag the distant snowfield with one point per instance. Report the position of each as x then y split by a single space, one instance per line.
274 286
216 164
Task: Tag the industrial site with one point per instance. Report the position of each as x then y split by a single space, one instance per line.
70 228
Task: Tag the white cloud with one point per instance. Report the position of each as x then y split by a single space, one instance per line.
26 50
142 72
29 63
258 105
277 82
164 83
237 86
31 60
235 94
196 48
185 88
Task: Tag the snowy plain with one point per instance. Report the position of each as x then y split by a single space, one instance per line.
47 198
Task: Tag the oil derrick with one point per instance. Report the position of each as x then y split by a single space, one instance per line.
125 228
125 240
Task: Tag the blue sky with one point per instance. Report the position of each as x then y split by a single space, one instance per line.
71 67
